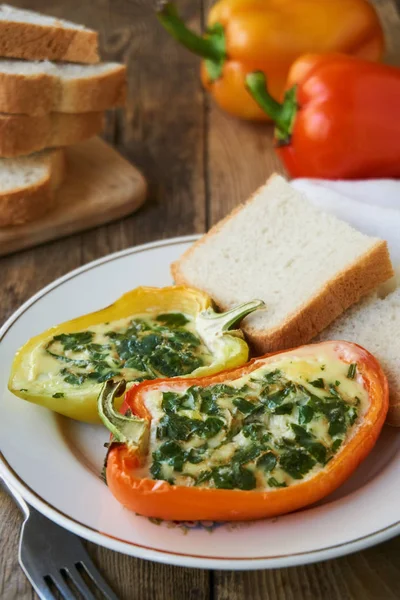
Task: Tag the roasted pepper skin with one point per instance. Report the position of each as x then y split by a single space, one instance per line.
346 119
268 35
159 499
83 406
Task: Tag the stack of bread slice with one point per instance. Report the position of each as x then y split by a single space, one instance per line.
53 93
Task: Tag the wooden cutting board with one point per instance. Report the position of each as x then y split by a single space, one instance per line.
100 186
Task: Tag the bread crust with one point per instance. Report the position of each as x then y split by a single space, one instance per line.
26 204
33 41
351 284
25 134
43 93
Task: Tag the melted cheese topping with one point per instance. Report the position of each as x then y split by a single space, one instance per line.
58 366
274 426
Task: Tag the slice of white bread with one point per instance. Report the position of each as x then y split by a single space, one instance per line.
374 323
37 88
306 265
27 185
25 134
33 36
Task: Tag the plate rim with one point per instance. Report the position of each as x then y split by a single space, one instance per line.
142 551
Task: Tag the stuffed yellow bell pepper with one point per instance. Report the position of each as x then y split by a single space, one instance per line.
147 334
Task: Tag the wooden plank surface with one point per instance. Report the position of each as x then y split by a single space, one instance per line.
199 164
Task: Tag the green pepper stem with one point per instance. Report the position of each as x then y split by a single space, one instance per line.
123 428
202 46
283 114
210 323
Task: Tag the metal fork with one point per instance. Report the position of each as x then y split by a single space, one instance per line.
52 558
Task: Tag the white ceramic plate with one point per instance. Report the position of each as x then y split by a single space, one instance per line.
55 462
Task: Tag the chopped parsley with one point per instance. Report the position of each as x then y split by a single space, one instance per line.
272 482
143 348
318 383
352 371
223 435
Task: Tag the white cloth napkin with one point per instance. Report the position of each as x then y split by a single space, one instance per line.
371 206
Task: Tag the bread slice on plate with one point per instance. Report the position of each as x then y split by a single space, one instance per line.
37 88
27 185
374 323
25 134
306 265
33 36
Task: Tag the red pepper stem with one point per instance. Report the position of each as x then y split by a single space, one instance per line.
283 114
202 46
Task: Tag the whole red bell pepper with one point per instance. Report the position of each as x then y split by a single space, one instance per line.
340 118
231 490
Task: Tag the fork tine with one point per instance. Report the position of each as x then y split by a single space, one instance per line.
97 578
58 549
62 586
79 583
39 584
44 543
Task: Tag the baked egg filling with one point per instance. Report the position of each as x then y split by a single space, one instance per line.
271 428
134 349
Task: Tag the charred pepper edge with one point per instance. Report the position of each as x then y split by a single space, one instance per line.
211 47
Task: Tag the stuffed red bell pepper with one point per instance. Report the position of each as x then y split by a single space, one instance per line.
265 439
340 118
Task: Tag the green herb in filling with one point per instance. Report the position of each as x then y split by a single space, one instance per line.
172 319
318 383
224 436
306 413
143 349
336 444
352 371
272 482
267 462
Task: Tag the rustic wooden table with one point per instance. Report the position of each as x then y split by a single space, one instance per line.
199 164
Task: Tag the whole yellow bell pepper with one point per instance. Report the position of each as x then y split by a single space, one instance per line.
148 333
268 36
